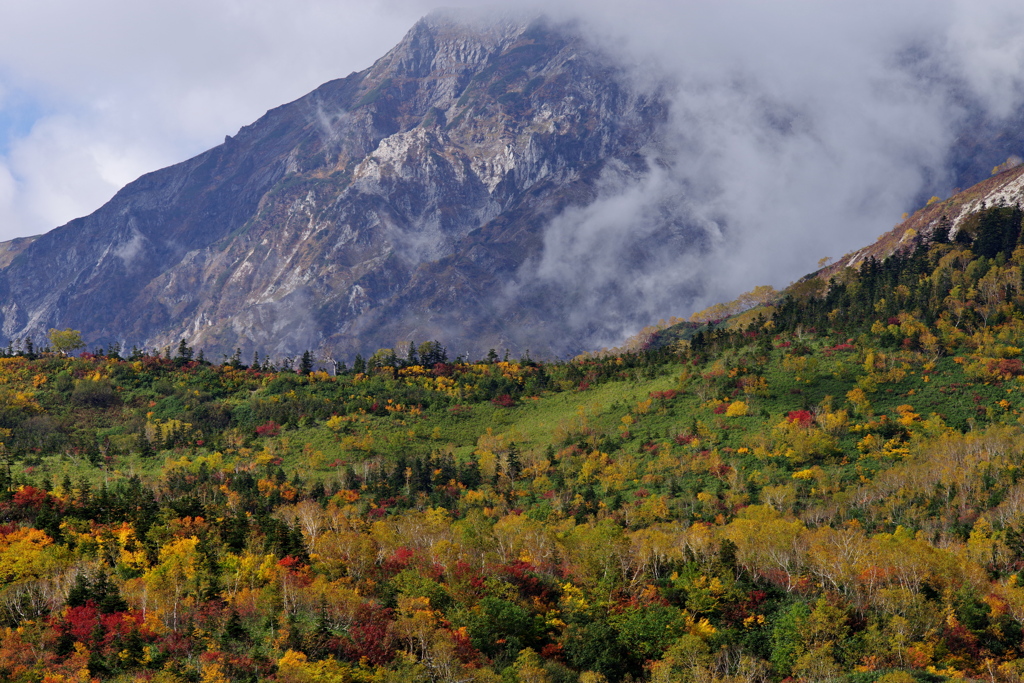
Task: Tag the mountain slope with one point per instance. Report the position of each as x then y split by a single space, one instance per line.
960 218
1005 188
847 473
392 204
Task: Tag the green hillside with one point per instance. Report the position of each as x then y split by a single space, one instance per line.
828 489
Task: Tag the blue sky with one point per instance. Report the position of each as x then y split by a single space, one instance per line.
18 112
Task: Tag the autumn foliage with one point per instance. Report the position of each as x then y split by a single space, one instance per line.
828 489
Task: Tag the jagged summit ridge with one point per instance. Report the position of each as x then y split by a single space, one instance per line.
447 44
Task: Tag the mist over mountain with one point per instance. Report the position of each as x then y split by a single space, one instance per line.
509 183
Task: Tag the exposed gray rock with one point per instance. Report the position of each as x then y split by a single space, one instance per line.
395 204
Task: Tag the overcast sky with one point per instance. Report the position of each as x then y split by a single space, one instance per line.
785 108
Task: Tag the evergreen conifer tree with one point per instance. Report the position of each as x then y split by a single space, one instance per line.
184 352
144 446
306 363
514 466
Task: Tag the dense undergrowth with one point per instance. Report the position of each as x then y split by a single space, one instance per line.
831 489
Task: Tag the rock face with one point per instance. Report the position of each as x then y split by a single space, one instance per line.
396 204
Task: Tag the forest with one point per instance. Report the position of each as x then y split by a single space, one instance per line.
827 488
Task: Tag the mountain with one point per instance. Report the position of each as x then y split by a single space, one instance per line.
412 201
398 203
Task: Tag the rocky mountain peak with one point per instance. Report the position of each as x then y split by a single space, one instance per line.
450 44
399 203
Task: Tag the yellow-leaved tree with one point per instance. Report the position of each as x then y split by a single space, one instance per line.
65 341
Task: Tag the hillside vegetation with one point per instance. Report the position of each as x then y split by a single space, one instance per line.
830 490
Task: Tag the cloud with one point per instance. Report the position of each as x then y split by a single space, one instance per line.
797 130
983 45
